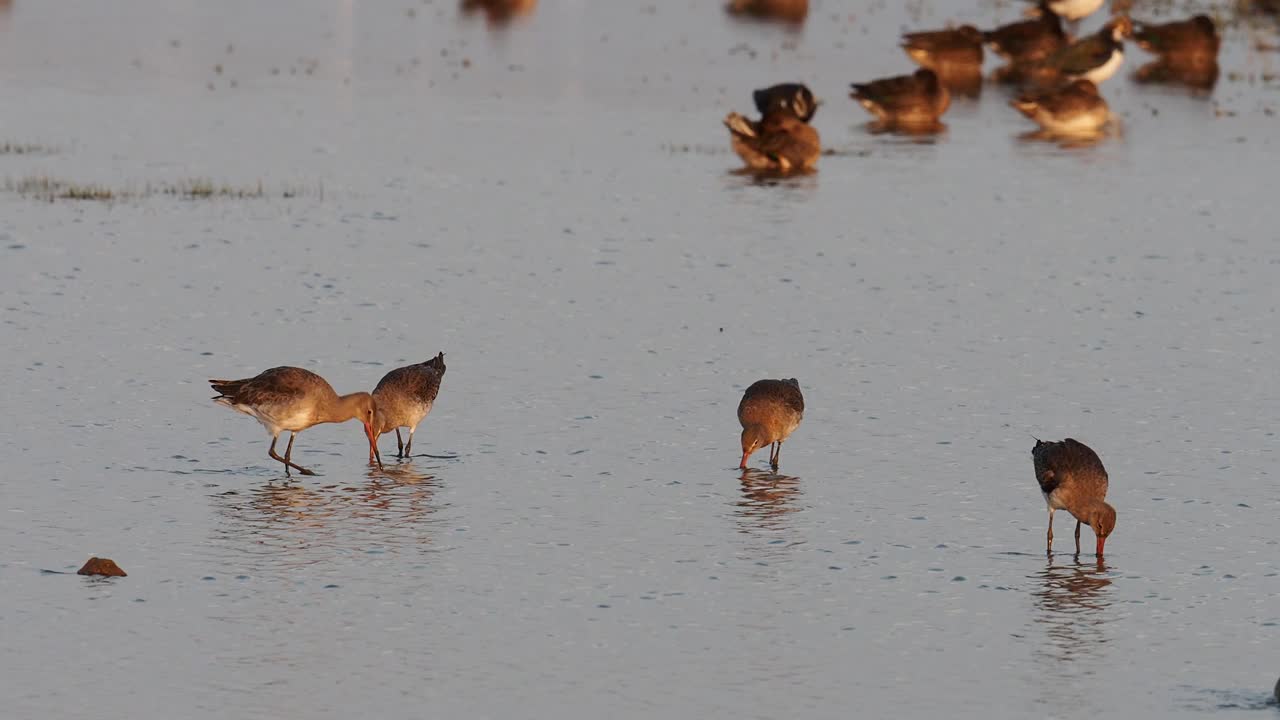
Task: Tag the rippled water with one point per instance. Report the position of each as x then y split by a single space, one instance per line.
552 205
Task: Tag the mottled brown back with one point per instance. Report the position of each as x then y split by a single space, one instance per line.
1068 462
1197 35
904 92
1030 39
275 387
1077 96
420 382
962 44
765 399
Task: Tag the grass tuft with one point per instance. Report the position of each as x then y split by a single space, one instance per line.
11 148
50 189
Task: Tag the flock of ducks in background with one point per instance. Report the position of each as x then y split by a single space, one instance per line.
1059 77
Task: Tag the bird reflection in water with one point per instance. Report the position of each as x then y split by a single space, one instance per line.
1072 600
918 134
289 524
798 184
765 506
397 493
1194 75
789 12
499 13
1114 129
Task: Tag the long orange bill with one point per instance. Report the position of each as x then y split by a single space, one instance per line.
373 445
1101 541
745 455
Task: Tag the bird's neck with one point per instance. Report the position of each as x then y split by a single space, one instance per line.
1089 507
342 407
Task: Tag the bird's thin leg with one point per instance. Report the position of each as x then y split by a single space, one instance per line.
1077 537
409 444
776 455
399 444
1049 540
272 452
288 453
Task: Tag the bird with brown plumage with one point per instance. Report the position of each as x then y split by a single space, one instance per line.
404 396
293 399
769 412
1072 478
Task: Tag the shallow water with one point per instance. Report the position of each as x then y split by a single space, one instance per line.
552 205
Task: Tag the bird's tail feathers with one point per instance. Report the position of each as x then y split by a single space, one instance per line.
739 125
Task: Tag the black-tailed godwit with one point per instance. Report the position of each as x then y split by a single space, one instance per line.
404 396
769 412
293 399
1072 478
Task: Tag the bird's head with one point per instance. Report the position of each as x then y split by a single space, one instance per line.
1102 518
753 438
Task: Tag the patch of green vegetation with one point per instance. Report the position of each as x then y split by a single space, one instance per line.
50 189
11 148
86 192
203 188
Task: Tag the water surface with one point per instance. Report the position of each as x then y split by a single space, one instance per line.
552 205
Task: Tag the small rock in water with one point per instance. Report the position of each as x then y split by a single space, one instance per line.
102 566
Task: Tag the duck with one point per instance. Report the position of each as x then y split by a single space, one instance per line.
404 397
769 412
1194 40
955 54
1072 478
1027 41
941 50
905 101
786 10
1095 57
781 141
1074 108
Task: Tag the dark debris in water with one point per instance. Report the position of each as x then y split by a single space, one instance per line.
694 149
842 152
12 148
105 567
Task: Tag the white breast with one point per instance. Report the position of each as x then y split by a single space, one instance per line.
1106 69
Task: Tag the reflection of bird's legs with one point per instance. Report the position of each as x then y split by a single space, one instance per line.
1049 540
1077 537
